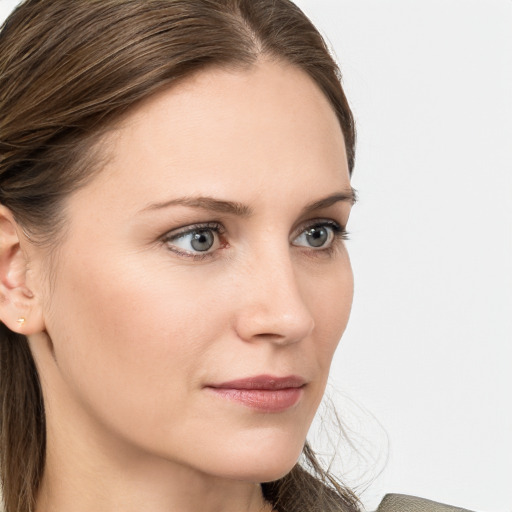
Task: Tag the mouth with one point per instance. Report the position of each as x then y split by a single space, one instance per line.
264 393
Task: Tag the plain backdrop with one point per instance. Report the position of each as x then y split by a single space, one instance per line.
428 350
422 380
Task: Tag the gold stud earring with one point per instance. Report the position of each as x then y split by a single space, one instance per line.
21 321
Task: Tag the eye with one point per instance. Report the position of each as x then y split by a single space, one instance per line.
320 235
194 240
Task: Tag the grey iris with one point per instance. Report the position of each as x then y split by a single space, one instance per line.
317 237
202 240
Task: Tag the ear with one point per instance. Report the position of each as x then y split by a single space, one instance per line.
20 310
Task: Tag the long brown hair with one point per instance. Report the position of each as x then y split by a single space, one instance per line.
68 70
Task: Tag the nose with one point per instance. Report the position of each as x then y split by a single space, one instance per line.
271 306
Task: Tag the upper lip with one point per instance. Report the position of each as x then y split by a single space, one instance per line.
265 382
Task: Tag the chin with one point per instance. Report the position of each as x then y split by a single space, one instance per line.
276 473
269 471
262 462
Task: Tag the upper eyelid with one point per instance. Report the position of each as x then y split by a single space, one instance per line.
317 222
220 228
190 228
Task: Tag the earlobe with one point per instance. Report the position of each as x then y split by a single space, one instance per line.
19 308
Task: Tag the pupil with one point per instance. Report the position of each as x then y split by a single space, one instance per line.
317 237
202 240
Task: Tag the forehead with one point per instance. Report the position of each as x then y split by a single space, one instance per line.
266 125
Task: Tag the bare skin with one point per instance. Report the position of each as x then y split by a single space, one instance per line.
144 318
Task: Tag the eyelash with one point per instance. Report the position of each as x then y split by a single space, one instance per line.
339 233
172 236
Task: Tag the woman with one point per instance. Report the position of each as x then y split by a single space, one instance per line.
175 190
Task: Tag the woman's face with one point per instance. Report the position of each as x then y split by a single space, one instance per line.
203 284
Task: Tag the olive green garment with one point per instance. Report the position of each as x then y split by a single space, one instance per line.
403 503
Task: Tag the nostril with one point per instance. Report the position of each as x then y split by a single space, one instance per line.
274 338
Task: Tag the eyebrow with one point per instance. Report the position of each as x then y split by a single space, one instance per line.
348 196
243 210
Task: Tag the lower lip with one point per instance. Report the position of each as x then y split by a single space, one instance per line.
265 400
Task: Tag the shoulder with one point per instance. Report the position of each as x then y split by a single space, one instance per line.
404 503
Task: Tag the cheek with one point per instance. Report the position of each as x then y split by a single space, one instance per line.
130 339
328 295
329 298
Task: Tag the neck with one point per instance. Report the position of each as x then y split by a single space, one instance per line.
132 484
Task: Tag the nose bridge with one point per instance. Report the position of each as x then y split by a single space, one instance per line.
272 305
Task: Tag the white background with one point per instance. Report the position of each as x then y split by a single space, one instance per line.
429 347
423 376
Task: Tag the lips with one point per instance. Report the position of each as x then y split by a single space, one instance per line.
265 393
